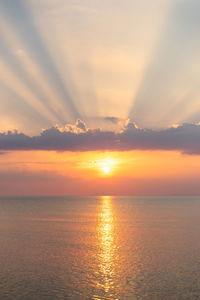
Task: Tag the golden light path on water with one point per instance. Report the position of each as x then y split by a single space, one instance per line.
107 249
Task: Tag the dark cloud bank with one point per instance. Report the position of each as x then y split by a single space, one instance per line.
184 138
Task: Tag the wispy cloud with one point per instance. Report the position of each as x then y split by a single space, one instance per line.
184 138
113 120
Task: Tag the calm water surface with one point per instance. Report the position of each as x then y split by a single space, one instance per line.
100 248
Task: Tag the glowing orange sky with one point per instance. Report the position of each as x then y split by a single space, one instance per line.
80 75
133 172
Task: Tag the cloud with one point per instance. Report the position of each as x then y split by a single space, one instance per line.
184 138
113 120
81 125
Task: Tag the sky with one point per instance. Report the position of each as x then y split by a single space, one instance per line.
99 97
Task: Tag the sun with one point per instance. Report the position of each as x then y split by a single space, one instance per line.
106 170
106 166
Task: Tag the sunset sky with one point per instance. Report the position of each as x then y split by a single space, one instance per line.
99 97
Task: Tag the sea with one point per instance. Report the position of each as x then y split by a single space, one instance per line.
102 247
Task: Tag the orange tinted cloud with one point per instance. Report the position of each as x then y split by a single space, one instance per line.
184 138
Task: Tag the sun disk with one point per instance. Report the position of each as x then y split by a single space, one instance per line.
106 170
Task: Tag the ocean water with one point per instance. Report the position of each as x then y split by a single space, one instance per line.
100 248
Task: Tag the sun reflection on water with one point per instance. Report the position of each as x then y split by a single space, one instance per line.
107 246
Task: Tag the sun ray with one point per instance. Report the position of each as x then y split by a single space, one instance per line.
32 40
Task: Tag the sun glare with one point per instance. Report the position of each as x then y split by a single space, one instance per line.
106 170
106 165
